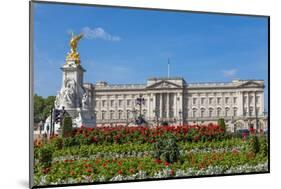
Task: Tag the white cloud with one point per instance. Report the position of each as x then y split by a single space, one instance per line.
229 73
99 33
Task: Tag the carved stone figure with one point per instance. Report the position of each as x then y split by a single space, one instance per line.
85 100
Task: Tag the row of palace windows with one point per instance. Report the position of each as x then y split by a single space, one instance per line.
211 113
119 103
211 100
120 114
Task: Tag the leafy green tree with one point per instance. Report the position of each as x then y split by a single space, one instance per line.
42 107
66 126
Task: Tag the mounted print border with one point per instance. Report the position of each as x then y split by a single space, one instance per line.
127 94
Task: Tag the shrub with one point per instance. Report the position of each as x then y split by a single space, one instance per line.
84 151
192 132
263 146
69 141
58 143
166 148
254 145
45 156
67 126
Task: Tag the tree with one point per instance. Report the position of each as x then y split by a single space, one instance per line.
66 126
42 107
221 123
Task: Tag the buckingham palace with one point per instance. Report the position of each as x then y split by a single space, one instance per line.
158 101
176 102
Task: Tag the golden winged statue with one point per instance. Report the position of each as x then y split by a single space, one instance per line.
73 41
73 55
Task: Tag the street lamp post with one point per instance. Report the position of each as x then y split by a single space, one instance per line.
140 101
156 116
180 114
51 123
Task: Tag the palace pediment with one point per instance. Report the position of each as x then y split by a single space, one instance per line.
164 85
251 84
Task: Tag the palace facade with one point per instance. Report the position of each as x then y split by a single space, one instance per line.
175 102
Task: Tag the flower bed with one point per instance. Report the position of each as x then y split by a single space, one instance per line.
141 135
109 169
130 153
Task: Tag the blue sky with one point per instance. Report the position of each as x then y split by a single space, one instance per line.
131 45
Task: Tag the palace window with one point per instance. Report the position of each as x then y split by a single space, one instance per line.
194 101
235 112
219 112
219 100
202 112
210 112
226 112
194 113
103 103
120 114
111 103
111 114
234 100
120 102
128 102
226 100
103 115
128 114
210 100
202 100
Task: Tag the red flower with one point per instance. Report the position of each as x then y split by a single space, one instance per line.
158 161
167 164
104 164
120 172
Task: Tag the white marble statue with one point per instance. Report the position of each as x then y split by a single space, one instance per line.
85 100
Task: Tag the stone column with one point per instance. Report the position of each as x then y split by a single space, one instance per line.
262 102
240 102
153 104
161 105
148 106
254 104
175 105
248 103
168 105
